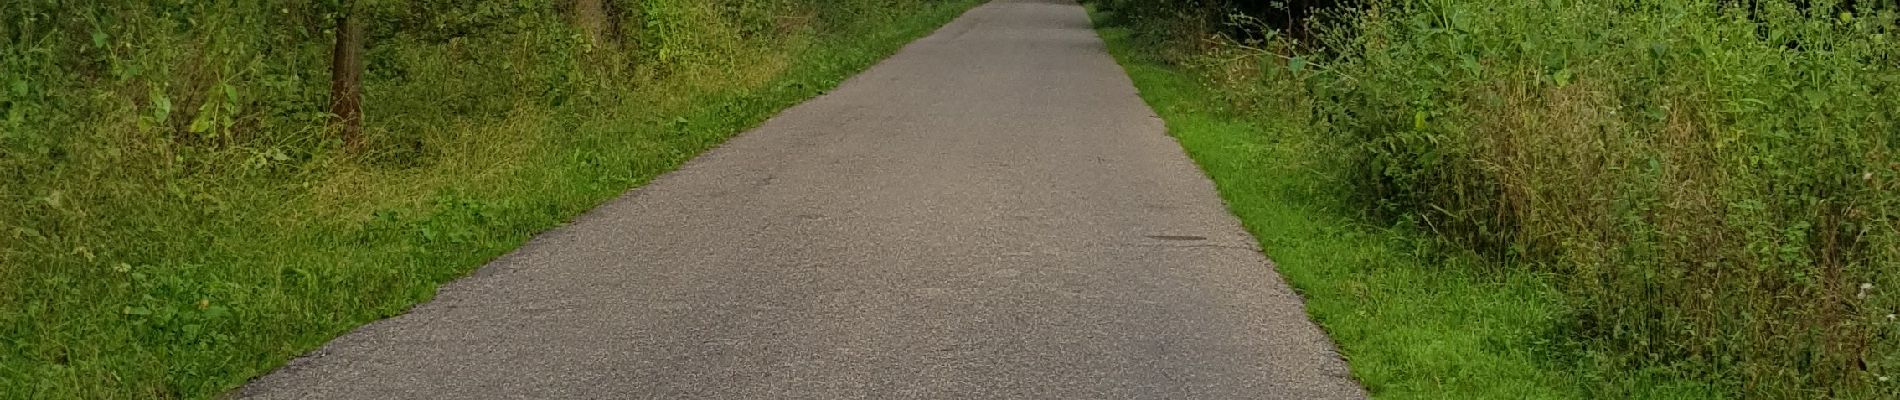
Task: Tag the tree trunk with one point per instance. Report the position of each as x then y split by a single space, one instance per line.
593 19
346 78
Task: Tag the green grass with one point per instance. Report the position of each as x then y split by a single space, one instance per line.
1415 319
1707 185
124 281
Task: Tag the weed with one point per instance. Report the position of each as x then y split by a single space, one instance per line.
1707 186
175 218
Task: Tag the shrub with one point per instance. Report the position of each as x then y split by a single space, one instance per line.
1713 184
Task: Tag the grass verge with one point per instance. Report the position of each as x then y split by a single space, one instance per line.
187 287
1415 319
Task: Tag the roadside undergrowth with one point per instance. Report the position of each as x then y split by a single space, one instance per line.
1707 186
151 252
1415 317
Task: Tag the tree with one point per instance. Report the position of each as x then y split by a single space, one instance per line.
346 75
595 19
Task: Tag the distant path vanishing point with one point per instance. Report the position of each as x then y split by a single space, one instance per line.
991 213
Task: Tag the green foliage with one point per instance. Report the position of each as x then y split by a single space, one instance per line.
175 217
1413 322
1712 185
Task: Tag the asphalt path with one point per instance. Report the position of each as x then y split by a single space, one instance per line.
990 213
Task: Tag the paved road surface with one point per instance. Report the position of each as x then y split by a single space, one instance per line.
991 213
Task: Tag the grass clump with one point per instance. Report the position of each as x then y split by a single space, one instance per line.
1414 320
1707 186
176 215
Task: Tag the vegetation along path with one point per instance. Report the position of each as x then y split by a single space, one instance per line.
991 213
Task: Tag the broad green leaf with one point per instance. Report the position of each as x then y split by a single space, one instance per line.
161 106
201 124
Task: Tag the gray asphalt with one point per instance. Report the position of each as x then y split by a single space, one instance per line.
991 213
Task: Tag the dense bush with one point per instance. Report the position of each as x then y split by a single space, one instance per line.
177 212
1714 184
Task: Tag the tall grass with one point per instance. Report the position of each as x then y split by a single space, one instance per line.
1713 184
176 217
